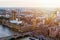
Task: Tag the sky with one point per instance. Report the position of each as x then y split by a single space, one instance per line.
30 3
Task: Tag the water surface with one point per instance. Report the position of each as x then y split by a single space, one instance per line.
5 31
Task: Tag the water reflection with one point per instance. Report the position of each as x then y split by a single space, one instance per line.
5 31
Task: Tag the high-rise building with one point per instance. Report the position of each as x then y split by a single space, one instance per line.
13 15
